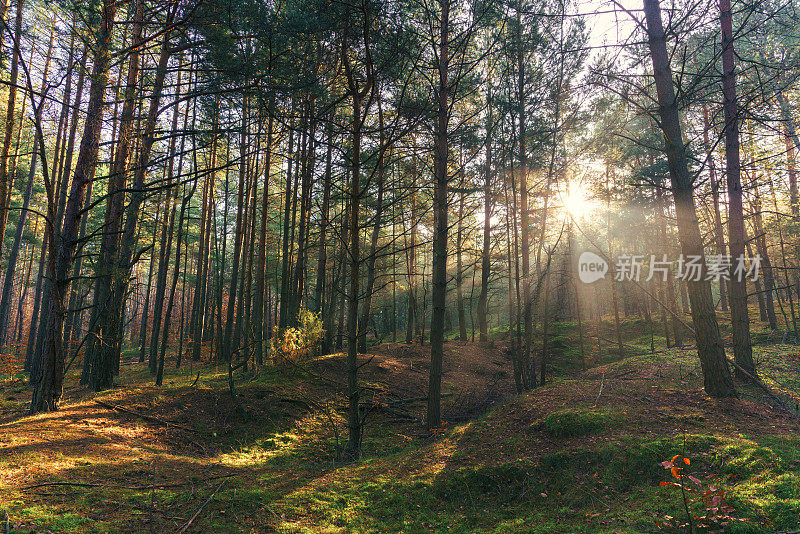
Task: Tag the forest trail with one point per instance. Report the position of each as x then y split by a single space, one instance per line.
87 468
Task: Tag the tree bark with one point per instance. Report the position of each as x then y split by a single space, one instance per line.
366 307
719 234
716 374
439 272
5 178
259 324
483 298
13 255
740 320
48 379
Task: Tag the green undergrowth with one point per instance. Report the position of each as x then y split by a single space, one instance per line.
610 488
593 470
575 423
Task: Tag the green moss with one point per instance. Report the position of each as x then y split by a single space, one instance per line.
49 519
784 514
485 481
575 423
744 458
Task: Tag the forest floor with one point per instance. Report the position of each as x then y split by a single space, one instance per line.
580 454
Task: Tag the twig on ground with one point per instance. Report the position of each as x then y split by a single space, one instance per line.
756 381
197 513
153 498
602 383
98 485
77 484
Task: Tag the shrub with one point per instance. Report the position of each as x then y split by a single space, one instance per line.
298 342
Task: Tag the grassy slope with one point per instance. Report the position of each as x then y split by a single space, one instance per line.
579 455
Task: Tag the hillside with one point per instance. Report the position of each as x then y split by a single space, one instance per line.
580 454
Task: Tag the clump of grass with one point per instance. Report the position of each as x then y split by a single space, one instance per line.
576 423
52 520
504 479
744 458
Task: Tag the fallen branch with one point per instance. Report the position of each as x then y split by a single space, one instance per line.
145 417
197 513
78 484
756 381
602 383
98 485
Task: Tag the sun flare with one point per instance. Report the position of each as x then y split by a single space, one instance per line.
576 203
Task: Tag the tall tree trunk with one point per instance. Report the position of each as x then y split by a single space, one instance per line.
439 272
483 298
761 247
48 379
286 250
677 326
358 95
203 251
322 303
97 372
261 303
167 233
5 177
366 307
144 323
717 378
462 319
719 234
227 348
792 145
107 354
411 258
179 241
740 320
528 372
11 266
307 184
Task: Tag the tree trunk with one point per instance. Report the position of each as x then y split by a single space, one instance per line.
483 298
227 348
716 374
259 324
353 447
100 344
13 255
167 234
439 272
320 300
411 258
48 379
740 320
107 353
462 318
719 234
283 319
366 307
5 177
